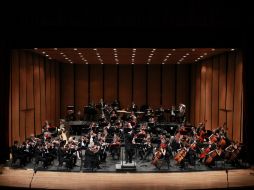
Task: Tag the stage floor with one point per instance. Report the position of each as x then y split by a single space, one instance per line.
27 178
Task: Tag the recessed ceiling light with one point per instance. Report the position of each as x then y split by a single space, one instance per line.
147 63
55 48
154 49
162 63
184 56
79 53
187 54
201 56
205 53
132 63
178 62
47 55
75 49
50 58
64 55
117 63
35 48
114 49
61 53
66 58
86 63
193 49
173 49
232 49
43 52
102 63
134 49
213 49
169 54
95 49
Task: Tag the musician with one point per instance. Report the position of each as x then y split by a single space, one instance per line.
116 104
148 147
113 117
115 147
91 157
17 153
134 107
132 118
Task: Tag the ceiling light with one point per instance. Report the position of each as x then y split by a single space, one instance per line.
213 49
35 48
86 63
163 63
47 55
132 63
117 63
178 62
79 53
50 58
173 49
61 53
232 49
66 58
101 63
134 49
75 49
193 49
43 52
55 48
205 53
64 55
184 56
147 63
154 49
95 49
114 49
187 54
201 56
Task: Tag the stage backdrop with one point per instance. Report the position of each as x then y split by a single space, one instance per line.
41 89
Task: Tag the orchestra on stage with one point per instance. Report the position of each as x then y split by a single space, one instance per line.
161 137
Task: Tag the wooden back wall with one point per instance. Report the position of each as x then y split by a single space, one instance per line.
41 90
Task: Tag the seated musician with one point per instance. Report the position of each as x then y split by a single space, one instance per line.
17 153
133 119
113 116
148 147
115 147
92 157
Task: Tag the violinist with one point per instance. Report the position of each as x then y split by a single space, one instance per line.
115 147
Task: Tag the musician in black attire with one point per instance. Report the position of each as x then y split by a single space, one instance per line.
17 153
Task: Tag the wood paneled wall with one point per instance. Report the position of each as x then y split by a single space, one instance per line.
34 94
216 95
153 85
40 90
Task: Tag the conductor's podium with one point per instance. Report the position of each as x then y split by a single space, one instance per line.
126 167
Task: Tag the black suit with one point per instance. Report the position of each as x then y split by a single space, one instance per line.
129 149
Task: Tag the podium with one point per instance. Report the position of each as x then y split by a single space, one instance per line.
126 167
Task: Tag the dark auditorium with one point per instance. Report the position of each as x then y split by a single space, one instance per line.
127 99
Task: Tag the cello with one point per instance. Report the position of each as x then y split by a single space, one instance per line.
180 155
157 156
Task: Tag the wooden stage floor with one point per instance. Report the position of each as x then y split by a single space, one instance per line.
24 179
